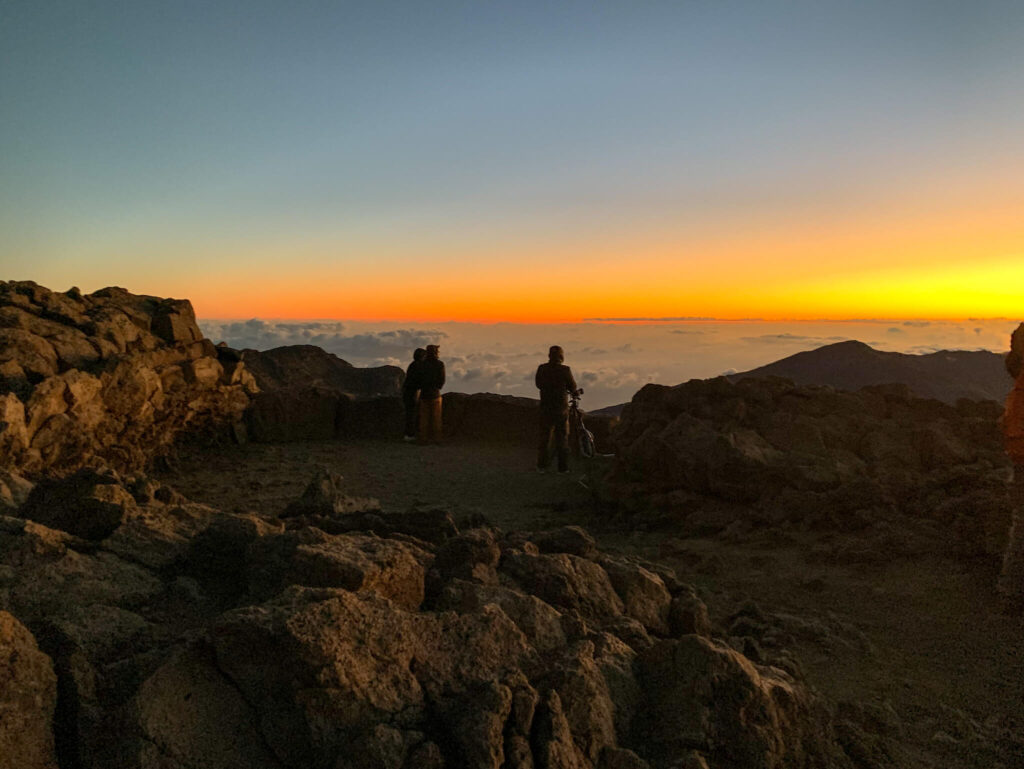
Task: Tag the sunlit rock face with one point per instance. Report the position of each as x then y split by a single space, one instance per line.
109 378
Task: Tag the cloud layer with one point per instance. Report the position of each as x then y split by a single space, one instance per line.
610 360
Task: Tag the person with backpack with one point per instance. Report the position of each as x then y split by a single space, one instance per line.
555 381
431 380
411 392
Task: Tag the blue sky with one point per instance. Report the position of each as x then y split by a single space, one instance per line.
146 143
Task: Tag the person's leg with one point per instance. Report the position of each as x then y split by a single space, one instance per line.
409 400
544 440
422 436
436 427
562 442
1011 579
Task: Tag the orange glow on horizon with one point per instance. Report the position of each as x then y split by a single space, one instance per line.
935 265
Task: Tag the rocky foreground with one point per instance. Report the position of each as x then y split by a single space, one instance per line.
141 630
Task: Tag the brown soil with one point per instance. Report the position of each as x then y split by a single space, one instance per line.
923 636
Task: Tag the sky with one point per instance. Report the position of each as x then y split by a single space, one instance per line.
527 162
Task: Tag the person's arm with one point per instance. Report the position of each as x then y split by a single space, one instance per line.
536 378
571 383
440 376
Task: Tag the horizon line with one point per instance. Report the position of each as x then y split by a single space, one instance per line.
636 320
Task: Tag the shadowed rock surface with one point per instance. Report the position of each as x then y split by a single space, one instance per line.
28 696
712 455
188 637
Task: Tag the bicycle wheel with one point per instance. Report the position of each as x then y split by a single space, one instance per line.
586 443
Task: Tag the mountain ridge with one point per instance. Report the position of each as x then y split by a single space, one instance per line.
945 375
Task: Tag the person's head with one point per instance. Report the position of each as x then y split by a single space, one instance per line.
419 354
433 351
556 354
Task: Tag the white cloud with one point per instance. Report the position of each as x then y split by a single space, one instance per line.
329 335
611 361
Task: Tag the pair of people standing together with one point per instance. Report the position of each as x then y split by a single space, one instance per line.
421 395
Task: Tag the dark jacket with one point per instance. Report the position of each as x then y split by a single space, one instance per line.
412 377
431 378
555 382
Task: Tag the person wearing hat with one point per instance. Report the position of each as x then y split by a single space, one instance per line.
431 380
555 381
1011 578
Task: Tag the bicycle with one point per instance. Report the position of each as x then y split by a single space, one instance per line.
581 440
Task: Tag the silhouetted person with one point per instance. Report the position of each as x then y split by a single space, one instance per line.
411 392
1011 579
431 380
555 381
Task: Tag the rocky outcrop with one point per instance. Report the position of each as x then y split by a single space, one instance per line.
708 453
109 378
28 696
305 365
188 637
307 393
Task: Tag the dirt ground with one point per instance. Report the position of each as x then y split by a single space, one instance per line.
920 641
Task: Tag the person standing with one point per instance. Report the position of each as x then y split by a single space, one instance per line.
555 381
1011 578
431 380
411 392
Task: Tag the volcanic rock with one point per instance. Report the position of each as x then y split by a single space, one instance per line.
191 637
325 497
110 378
28 696
704 696
88 504
707 453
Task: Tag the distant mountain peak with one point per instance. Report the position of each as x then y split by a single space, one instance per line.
947 375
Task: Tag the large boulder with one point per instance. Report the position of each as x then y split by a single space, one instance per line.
190 714
567 582
356 562
705 696
326 496
707 452
325 668
88 504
